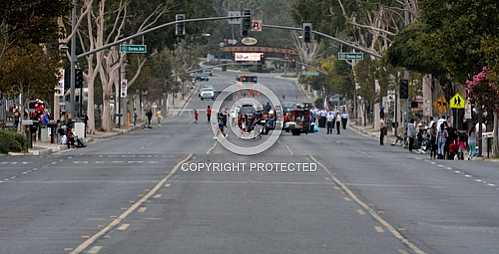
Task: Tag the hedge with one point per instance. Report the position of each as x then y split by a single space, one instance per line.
10 141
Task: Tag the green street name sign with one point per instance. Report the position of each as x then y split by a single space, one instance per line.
350 56
133 49
311 74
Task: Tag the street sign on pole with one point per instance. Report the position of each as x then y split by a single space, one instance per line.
133 48
256 25
457 102
311 74
234 14
124 88
350 56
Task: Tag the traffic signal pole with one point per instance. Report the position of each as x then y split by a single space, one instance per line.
72 106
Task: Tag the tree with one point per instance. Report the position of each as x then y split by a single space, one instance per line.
30 71
26 22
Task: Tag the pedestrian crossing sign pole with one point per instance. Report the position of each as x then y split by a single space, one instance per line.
457 102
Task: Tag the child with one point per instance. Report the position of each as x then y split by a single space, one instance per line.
196 116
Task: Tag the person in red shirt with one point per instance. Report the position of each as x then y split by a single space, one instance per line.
208 113
196 116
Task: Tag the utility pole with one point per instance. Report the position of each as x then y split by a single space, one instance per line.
72 104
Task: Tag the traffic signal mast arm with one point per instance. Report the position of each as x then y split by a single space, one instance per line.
126 39
350 44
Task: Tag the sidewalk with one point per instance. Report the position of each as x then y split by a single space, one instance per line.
369 131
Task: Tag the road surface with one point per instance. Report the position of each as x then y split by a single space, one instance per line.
130 194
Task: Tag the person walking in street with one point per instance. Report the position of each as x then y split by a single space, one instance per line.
433 140
344 119
382 131
208 113
149 117
411 134
196 116
158 117
330 122
338 123
442 136
472 143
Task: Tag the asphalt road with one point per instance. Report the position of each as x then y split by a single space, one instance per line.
130 194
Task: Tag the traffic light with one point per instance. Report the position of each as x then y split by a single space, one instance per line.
180 27
307 32
78 78
246 23
404 89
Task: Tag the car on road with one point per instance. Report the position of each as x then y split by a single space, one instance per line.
207 93
200 76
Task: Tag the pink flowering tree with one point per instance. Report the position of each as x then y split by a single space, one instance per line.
484 93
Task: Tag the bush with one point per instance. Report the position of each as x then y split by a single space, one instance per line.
10 141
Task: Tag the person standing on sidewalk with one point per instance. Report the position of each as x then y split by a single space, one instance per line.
134 117
472 143
442 136
208 113
330 122
382 131
411 134
433 140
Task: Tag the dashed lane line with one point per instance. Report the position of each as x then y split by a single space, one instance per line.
123 227
371 212
212 148
379 229
84 245
94 250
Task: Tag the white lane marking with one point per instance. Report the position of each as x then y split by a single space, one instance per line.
13 177
361 212
157 196
347 199
25 162
449 168
379 229
402 251
6 179
478 180
167 185
84 245
35 169
25 172
4 162
468 176
491 185
123 227
2 182
13 163
142 210
457 172
432 162
373 213
212 148
440 166
289 150
94 250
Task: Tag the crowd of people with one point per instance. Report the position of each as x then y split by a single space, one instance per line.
439 138
330 119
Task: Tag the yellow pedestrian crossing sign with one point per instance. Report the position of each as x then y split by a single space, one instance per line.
457 102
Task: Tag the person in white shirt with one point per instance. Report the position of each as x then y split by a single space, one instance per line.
338 122
330 122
